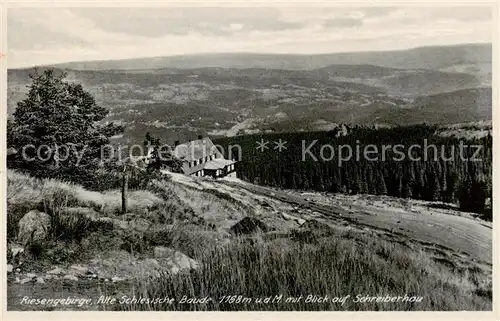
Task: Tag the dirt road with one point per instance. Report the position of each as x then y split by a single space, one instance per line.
462 235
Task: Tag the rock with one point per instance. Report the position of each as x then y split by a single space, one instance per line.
25 280
31 275
107 263
79 269
16 250
70 277
140 224
40 280
304 236
248 225
318 228
152 263
17 280
56 271
173 261
117 279
10 268
106 220
148 267
288 217
265 204
162 252
33 226
18 270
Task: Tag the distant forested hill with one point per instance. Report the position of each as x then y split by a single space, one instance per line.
452 58
179 98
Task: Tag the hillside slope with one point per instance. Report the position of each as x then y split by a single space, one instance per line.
295 240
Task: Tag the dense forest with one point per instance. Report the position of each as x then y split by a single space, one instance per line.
455 171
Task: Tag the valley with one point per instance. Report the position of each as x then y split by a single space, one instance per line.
226 99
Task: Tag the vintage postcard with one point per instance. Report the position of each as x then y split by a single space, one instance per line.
249 157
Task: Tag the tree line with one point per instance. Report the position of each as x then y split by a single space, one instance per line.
460 171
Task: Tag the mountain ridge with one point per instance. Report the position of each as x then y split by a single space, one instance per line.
420 57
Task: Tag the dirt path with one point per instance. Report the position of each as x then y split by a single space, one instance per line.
465 236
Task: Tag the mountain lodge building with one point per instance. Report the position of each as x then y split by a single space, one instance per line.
201 158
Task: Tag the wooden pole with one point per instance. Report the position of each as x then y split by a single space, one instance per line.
124 191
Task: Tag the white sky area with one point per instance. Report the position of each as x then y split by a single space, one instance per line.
55 35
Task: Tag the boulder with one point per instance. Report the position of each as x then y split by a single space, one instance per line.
25 280
288 217
70 277
248 225
10 268
162 252
304 236
152 263
33 226
117 279
56 271
16 250
40 280
173 261
77 269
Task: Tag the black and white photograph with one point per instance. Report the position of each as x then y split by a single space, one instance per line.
249 157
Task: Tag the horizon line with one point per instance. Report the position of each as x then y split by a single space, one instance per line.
248 53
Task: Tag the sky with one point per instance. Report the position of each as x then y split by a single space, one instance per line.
53 35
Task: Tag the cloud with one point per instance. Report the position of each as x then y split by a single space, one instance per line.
46 36
370 12
154 22
338 23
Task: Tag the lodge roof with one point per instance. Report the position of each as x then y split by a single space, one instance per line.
218 163
196 149
200 150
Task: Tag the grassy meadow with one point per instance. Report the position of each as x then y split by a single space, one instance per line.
88 224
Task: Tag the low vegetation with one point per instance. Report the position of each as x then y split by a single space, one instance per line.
344 264
301 262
